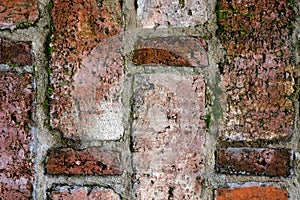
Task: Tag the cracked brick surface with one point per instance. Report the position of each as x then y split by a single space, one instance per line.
87 69
16 158
91 161
82 193
166 13
15 53
258 192
168 136
257 76
267 162
16 12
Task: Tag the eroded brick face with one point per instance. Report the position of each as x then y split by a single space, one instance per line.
168 136
165 13
83 193
14 12
90 161
268 162
171 51
257 76
256 192
16 158
15 53
87 69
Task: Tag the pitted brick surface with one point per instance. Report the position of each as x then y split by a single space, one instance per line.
169 51
83 193
16 158
268 162
89 161
15 53
256 192
257 76
168 136
87 69
166 13
14 12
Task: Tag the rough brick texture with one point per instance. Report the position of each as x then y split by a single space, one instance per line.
258 75
83 193
268 162
256 192
171 51
89 161
17 12
166 13
15 53
16 158
168 136
86 79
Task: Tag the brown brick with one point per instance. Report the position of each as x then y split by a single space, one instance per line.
257 76
168 136
87 69
254 192
16 53
16 158
91 161
13 13
82 193
170 51
165 13
268 162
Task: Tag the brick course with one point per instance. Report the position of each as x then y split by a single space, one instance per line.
268 162
82 193
16 158
256 192
17 12
168 136
84 77
90 161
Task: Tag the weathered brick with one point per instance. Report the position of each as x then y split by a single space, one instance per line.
257 76
170 51
268 162
168 136
16 12
91 161
250 191
16 53
16 158
87 69
166 13
82 193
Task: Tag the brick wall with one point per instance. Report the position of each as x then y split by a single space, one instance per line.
185 99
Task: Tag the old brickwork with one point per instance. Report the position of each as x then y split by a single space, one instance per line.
158 99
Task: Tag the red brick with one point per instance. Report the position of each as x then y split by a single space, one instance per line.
165 13
268 162
87 69
16 158
16 53
169 51
255 192
83 193
15 12
168 136
91 161
257 76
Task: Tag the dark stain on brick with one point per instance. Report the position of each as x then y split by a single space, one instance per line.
266 162
158 57
15 53
83 162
